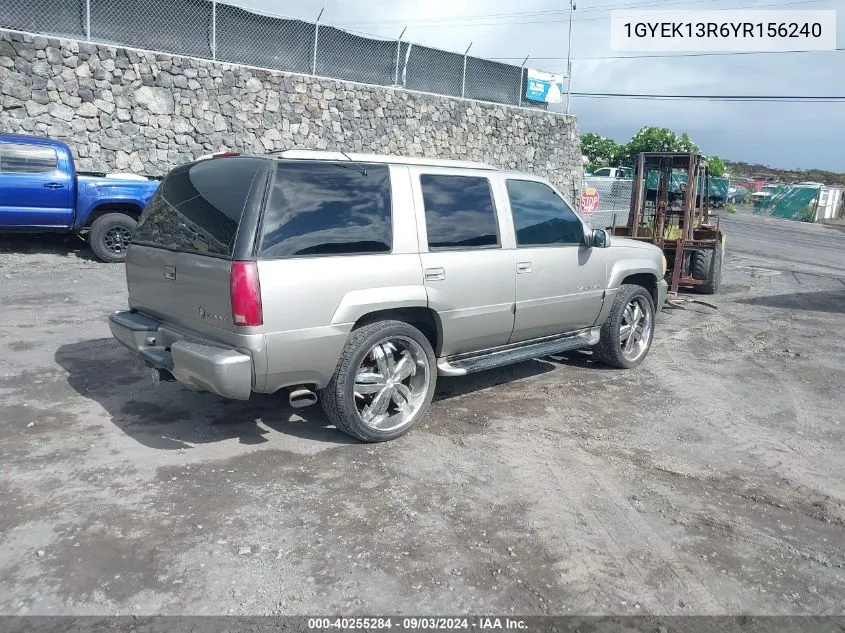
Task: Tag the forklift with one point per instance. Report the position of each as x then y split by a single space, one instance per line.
670 209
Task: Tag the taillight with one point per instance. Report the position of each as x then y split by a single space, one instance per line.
246 294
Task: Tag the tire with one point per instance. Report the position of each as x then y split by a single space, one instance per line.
610 348
708 265
109 235
349 410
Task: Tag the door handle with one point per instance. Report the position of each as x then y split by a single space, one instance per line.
435 274
53 185
523 268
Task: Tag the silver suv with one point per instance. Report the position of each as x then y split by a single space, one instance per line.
363 278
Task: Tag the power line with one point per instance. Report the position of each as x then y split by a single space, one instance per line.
477 16
678 55
608 7
447 22
727 98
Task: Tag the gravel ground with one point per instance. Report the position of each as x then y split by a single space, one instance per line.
707 481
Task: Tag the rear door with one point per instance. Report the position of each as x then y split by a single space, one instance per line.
35 190
179 262
468 271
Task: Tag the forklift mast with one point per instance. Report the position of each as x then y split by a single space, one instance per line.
675 216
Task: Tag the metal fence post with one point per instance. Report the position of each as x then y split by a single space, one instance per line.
405 65
568 58
464 78
316 39
398 50
88 20
521 75
214 29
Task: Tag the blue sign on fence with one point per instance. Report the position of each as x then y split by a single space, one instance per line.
547 87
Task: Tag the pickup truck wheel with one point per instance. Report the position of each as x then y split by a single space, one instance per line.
628 331
384 382
109 236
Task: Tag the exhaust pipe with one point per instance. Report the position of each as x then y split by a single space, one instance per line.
300 397
161 375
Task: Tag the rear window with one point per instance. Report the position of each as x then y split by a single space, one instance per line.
328 208
459 212
198 207
16 158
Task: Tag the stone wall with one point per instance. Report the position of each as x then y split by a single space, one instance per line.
121 109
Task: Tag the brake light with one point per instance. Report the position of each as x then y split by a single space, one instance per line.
245 291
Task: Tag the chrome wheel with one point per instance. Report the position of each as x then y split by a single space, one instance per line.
391 384
635 330
116 239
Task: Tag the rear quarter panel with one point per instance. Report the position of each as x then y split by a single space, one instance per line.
311 303
94 193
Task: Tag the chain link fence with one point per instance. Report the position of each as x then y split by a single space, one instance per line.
615 196
225 32
614 201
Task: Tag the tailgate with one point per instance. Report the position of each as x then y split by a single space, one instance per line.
186 290
178 264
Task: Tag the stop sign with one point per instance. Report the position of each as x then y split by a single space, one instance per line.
589 201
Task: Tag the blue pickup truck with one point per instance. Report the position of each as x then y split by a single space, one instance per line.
41 191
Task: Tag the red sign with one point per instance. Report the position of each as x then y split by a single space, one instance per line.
589 202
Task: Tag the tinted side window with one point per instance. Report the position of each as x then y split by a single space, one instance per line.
540 216
601 172
27 159
322 208
459 212
198 207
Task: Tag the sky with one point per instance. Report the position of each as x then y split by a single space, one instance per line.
783 135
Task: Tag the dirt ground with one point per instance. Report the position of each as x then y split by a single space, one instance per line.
707 481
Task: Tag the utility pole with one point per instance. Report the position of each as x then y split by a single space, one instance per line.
568 58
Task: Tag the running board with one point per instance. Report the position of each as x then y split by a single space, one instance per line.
463 364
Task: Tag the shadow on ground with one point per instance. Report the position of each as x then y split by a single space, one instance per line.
62 244
172 416
831 301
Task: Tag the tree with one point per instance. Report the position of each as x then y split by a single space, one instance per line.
600 150
685 144
717 166
656 139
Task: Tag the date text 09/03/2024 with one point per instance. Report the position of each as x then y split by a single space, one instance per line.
417 623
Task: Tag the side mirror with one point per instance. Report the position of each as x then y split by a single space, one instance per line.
599 238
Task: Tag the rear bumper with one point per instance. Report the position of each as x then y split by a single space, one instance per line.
226 372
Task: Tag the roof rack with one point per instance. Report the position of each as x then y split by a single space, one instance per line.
312 154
